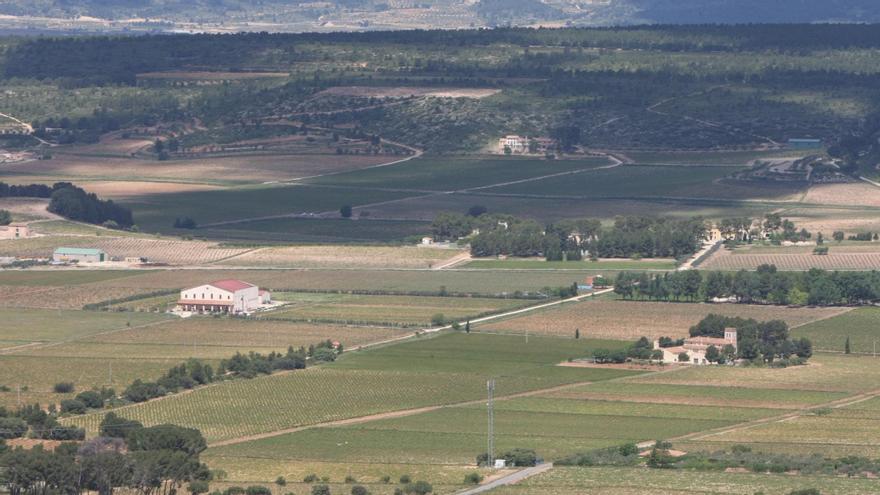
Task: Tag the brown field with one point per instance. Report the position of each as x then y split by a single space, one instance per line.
861 194
726 260
629 320
343 257
406 92
211 170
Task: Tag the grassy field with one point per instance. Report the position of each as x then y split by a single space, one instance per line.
627 481
861 326
36 325
628 320
538 264
448 369
60 278
404 310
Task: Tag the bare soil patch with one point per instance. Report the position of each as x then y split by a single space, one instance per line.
409 91
861 194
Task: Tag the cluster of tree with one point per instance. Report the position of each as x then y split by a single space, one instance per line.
766 285
158 459
756 341
25 191
631 236
5 217
75 203
37 423
621 455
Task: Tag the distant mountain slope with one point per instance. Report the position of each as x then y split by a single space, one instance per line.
290 15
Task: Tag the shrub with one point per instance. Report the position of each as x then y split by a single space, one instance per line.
324 355
320 490
63 388
418 488
198 486
359 490
473 478
350 479
438 320
280 481
73 406
310 478
385 479
806 491
12 428
91 399
258 490
405 479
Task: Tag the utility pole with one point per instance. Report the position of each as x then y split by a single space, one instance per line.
110 373
19 396
490 453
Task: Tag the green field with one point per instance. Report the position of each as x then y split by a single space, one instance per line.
403 310
456 173
157 212
44 325
532 264
861 326
448 369
59 277
299 230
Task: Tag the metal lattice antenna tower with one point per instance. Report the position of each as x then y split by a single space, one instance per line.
490 405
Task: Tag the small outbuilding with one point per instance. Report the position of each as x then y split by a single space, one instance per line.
15 230
79 255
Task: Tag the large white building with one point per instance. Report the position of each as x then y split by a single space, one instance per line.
223 296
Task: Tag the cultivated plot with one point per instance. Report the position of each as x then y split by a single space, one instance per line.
628 320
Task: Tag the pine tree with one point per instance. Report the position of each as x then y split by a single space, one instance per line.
846 347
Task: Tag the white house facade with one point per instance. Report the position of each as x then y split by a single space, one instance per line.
223 296
695 348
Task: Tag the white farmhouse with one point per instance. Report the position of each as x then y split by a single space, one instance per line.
223 296
695 347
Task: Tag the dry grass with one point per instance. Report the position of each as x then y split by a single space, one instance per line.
629 320
344 257
26 208
73 297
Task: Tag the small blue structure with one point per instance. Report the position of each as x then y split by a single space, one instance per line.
804 143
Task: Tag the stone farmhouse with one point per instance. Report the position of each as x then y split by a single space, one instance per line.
15 230
223 296
695 348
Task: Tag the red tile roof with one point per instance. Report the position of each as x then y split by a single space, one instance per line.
231 285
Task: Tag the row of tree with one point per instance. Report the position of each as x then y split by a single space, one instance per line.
73 202
766 285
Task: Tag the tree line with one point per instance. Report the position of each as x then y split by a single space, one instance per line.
629 236
766 285
74 203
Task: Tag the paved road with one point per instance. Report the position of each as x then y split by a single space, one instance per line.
510 479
